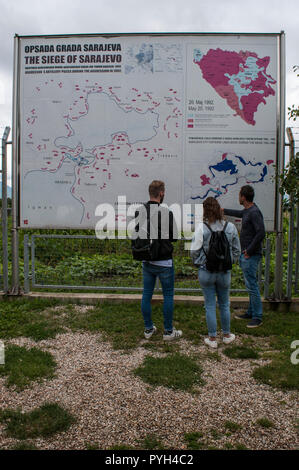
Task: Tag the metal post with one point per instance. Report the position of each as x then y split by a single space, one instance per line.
280 166
4 210
291 222
33 260
290 253
26 264
15 288
267 268
259 273
297 250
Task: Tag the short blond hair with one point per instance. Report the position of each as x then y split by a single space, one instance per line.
156 187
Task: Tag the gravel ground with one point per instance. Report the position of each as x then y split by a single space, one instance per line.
112 407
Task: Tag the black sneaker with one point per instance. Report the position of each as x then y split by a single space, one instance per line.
245 316
255 322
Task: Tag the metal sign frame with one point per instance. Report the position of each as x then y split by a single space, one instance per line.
280 133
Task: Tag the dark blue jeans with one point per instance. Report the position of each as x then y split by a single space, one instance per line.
166 276
249 267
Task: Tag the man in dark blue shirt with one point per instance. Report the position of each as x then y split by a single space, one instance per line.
251 238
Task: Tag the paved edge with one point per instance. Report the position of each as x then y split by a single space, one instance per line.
94 298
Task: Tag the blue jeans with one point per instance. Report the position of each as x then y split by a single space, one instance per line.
214 284
249 267
166 275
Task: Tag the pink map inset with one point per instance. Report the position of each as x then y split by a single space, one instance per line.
239 77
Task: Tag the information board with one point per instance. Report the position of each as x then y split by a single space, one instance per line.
101 116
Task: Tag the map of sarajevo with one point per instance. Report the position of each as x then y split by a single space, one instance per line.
229 171
238 77
98 137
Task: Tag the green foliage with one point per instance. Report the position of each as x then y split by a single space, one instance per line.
23 367
93 262
290 175
289 179
90 267
82 267
45 421
293 111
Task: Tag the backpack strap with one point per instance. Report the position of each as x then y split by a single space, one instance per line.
225 225
207 225
149 218
202 248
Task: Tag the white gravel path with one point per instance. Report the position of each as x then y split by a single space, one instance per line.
112 407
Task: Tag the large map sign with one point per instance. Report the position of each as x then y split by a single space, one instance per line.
102 116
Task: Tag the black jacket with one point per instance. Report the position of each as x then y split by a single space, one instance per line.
161 227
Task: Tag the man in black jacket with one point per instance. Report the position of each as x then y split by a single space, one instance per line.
251 238
164 231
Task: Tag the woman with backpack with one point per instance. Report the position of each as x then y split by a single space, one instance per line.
215 246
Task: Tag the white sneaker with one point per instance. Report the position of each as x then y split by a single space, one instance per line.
230 339
176 334
149 333
212 344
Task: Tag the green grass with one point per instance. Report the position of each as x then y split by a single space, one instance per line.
193 440
44 421
151 442
92 446
274 323
24 446
175 371
240 447
215 433
24 366
279 330
122 326
280 373
121 447
241 352
23 317
265 423
231 426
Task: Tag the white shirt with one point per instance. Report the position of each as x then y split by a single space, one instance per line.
165 263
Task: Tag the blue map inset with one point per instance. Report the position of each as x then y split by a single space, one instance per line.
229 171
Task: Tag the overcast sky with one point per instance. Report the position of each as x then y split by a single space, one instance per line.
39 17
